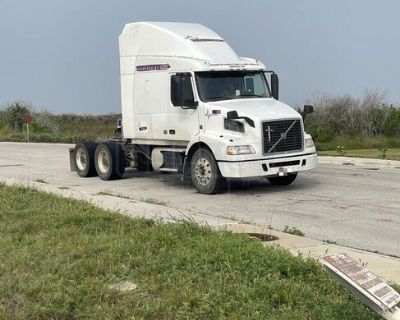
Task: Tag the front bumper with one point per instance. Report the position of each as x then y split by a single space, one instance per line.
268 167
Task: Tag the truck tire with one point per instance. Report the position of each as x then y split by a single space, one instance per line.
283 181
144 164
109 160
84 159
205 173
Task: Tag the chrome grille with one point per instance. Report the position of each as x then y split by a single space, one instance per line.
282 136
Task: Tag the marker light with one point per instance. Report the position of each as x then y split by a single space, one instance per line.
309 143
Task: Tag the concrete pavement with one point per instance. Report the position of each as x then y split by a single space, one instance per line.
374 163
344 200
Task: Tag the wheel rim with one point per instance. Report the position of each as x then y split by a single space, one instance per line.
81 159
203 171
103 161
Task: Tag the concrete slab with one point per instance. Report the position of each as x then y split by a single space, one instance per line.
380 163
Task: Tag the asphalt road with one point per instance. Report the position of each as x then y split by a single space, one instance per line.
356 205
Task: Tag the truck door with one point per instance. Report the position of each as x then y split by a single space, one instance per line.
181 122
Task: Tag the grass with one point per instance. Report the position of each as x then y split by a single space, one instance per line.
391 154
10 136
40 180
329 241
377 147
359 142
58 258
147 200
64 128
154 201
293 230
107 193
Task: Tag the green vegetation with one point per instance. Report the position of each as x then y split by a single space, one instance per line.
352 143
59 258
40 180
378 147
154 201
294 231
47 127
329 241
342 125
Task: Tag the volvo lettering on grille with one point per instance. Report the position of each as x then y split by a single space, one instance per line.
282 136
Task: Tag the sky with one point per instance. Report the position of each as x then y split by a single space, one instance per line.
62 55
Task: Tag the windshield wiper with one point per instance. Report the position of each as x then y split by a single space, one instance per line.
236 97
252 95
219 98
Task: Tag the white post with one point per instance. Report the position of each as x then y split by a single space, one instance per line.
393 314
27 131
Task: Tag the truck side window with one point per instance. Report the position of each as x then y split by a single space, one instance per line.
182 90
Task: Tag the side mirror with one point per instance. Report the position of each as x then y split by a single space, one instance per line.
275 86
231 115
189 104
308 109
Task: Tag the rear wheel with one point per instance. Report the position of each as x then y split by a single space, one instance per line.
283 181
84 158
205 172
109 161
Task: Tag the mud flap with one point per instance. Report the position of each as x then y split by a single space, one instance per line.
186 177
72 159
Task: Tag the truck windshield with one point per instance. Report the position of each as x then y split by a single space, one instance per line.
224 85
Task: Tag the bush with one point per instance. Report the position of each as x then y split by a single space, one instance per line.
13 115
346 116
391 126
3 119
321 132
37 128
45 123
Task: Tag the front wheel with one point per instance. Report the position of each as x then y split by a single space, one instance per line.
205 172
283 181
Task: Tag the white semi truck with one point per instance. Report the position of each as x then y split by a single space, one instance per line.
190 104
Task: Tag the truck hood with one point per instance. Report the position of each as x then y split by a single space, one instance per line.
258 109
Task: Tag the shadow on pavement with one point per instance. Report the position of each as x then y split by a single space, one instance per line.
302 183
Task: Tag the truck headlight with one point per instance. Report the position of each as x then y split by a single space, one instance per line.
309 143
236 150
